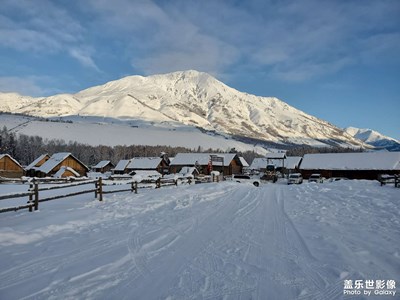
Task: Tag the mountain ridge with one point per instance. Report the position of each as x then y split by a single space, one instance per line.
190 98
374 138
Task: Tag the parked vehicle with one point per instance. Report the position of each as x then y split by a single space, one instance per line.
295 178
270 174
246 178
316 178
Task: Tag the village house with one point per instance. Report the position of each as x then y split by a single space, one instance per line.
63 164
189 171
103 166
278 159
158 164
9 167
228 163
120 168
64 172
364 165
31 168
292 164
245 164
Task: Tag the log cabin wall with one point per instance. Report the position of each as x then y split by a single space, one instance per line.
72 163
8 168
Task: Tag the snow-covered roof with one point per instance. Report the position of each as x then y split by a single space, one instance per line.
144 163
36 161
54 161
244 162
190 159
9 156
102 164
276 155
188 170
290 162
352 161
262 162
63 169
121 165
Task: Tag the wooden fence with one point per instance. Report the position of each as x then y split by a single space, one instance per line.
388 179
36 186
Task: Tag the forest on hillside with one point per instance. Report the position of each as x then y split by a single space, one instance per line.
26 149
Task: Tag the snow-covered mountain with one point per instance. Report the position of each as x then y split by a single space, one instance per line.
190 98
374 138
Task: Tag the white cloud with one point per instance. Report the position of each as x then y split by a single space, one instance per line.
43 28
295 40
84 58
24 86
292 40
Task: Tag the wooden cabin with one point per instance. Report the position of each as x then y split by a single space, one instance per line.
59 160
158 164
31 168
9 167
277 159
103 166
120 168
64 172
364 165
228 163
187 171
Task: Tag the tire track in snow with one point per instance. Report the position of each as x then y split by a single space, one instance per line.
314 271
285 258
48 264
187 247
215 252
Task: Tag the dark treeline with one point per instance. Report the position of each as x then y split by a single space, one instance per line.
26 149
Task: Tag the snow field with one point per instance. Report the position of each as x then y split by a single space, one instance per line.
206 241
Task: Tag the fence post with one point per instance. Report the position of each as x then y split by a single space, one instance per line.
135 187
36 189
100 189
96 187
31 189
158 183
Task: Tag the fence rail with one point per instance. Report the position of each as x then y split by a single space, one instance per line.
390 179
98 190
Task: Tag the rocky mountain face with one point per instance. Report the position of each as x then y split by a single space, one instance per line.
191 98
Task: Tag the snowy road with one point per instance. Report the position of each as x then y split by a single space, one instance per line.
210 241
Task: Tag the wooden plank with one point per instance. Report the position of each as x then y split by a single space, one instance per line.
117 191
15 195
69 195
67 186
16 208
56 180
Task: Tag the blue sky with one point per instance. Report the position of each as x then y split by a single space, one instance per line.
336 60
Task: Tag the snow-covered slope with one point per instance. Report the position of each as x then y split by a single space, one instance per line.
111 132
191 98
374 138
205 241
